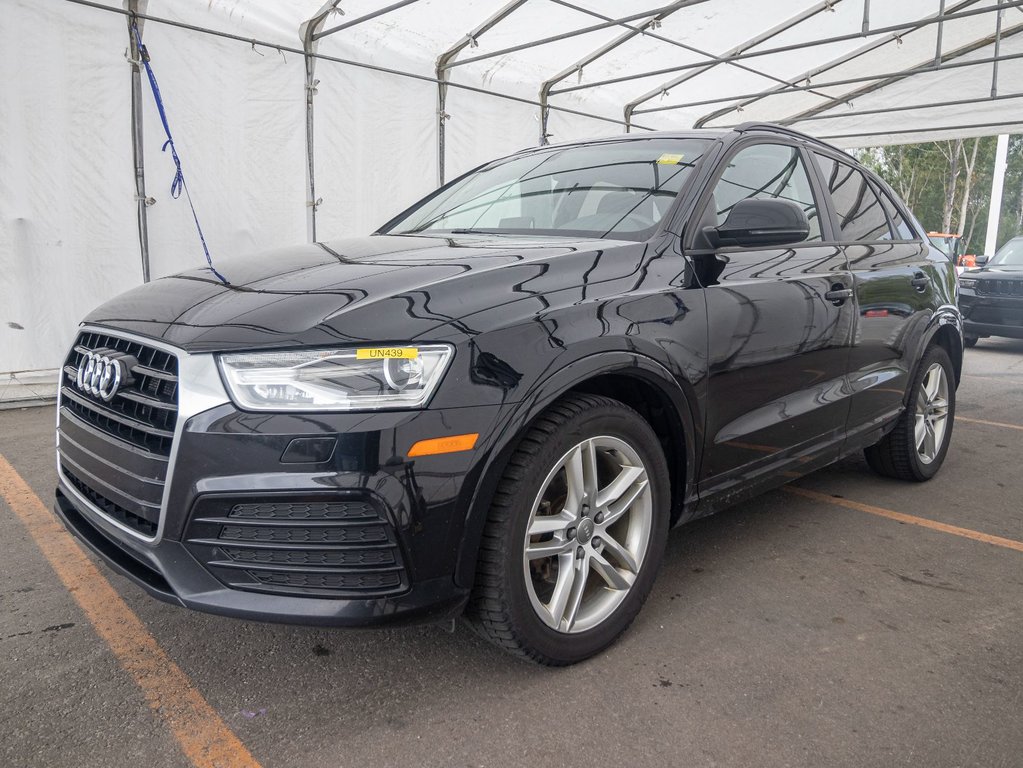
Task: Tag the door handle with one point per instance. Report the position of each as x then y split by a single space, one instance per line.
920 281
838 294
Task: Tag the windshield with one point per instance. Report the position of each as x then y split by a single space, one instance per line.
619 189
943 244
1010 254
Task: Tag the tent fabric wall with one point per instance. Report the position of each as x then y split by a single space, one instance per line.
374 156
67 212
68 229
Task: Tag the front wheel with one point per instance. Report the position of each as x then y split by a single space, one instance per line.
575 534
970 341
916 448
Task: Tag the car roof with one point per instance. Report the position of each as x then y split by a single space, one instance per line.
703 133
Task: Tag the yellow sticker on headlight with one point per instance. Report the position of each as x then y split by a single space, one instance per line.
669 159
387 353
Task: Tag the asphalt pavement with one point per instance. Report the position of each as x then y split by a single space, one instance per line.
790 631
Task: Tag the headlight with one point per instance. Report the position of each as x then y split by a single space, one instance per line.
968 282
354 379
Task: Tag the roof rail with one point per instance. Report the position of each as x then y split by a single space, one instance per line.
754 125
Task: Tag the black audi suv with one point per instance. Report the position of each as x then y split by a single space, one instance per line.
991 296
499 403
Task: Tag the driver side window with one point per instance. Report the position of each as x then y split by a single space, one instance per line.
765 171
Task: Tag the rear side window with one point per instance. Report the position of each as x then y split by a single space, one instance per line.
902 229
764 171
861 215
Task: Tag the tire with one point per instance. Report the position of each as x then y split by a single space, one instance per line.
532 607
970 341
900 454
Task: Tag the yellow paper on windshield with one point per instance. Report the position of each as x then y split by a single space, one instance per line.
669 159
387 353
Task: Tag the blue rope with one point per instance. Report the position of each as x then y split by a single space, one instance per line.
178 184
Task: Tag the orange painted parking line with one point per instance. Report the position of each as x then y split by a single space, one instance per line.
203 736
990 423
923 522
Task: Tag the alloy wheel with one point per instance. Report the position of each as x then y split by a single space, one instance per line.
587 535
931 413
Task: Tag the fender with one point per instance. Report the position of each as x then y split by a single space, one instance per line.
945 316
513 423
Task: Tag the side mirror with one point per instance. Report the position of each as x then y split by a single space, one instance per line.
762 222
981 259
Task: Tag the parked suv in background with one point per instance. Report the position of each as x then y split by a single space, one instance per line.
503 399
991 296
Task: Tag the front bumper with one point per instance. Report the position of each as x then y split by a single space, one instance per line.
228 459
986 315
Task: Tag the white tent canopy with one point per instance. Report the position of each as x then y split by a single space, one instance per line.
391 93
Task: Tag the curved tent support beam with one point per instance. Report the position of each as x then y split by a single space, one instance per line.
898 29
890 76
547 85
366 17
852 55
567 35
825 5
444 62
900 108
922 68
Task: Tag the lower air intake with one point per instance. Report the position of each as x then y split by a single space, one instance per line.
307 546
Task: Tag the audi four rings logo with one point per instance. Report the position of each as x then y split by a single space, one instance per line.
100 375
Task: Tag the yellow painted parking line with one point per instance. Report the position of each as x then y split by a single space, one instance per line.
990 423
923 522
203 736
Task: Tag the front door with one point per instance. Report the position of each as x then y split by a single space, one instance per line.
780 322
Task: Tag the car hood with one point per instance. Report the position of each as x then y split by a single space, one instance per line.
382 287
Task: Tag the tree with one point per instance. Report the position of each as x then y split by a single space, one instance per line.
947 184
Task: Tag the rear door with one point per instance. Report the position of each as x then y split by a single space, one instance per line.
780 325
894 283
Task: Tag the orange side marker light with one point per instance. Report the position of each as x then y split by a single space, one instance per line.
451 444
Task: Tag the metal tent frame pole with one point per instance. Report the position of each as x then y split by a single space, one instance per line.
826 5
889 110
361 19
308 32
443 66
251 42
568 35
897 29
929 130
142 202
577 67
756 96
924 67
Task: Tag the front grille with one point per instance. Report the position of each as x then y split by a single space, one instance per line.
300 546
116 453
144 410
993 287
110 508
995 315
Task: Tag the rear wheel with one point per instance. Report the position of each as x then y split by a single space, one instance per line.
916 448
971 341
575 534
